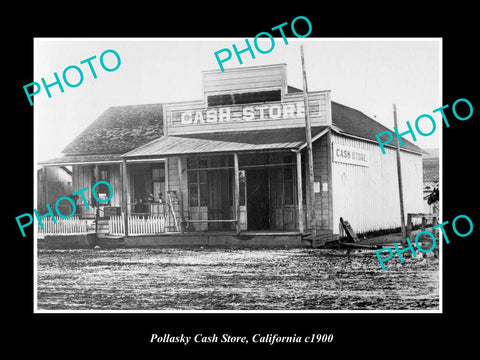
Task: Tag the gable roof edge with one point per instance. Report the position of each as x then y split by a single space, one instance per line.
339 132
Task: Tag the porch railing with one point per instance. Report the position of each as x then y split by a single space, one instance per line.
138 225
71 225
116 225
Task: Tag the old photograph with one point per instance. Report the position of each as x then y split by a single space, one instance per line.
227 175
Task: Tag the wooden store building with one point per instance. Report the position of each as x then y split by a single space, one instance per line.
229 168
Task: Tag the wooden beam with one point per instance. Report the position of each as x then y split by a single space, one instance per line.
307 193
97 206
180 191
125 195
236 197
210 221
120 173
308 132
45 184
299 192
400 186
167 186
329 178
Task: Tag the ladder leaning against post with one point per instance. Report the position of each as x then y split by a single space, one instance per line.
171 210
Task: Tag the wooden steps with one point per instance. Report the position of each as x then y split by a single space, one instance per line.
323 237
101 228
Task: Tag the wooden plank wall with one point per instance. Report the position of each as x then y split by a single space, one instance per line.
174 184
56 182
320 174
173 180
115 180
82 176
248 78
367 197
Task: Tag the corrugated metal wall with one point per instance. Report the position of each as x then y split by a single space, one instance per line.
367 197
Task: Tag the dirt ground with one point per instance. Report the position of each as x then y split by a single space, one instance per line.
233 279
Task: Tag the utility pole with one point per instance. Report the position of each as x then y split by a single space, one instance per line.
400 187
308 132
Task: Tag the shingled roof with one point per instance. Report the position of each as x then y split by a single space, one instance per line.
118 130
354 122
121 129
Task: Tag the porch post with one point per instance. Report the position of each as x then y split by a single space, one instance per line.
329 177
45 184
180 192
307 194
237 193
97 208
299 192
125 195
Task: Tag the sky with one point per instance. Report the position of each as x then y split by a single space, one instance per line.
367 74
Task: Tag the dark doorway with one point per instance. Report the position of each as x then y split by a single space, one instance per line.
257 199
219 207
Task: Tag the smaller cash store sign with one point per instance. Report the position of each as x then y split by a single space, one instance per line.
350 155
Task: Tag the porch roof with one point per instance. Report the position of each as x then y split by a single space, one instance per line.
82 159
238 141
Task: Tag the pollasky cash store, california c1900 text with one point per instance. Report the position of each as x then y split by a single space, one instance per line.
229 169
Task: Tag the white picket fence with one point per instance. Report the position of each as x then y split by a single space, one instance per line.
151 224
116 225
63 226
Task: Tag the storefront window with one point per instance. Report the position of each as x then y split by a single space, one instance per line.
197 182
192 163
202 176
193 195
203 194
244 98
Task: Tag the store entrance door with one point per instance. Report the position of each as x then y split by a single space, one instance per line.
257 199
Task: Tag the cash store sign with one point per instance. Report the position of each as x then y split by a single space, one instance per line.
258 112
